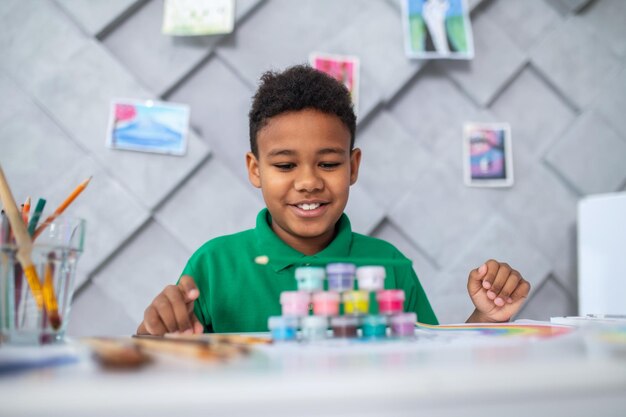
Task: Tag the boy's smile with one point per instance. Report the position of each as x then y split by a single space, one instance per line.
304 168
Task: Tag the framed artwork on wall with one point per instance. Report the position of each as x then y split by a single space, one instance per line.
487 155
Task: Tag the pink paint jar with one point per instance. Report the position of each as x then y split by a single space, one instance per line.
295 303
371 278
390 301
326 303
403 325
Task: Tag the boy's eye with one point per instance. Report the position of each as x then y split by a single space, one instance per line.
284 166
329 165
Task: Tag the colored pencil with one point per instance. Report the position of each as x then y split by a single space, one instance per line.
32 224
264 260
26 210
24 243
79 189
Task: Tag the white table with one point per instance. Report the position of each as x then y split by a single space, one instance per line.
571 375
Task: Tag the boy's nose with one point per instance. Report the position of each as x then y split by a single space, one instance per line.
308 180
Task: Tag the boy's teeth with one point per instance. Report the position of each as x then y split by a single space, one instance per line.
309 206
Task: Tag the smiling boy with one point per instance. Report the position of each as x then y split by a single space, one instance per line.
302 130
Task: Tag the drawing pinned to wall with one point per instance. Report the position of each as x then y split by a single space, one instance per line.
343 68
148 126
487 154
198 17
436 29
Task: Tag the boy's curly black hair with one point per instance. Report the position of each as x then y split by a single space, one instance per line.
297 88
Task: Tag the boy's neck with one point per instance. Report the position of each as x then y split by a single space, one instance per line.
307 246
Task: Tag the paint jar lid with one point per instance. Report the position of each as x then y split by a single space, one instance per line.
375 320
371 272
354 296
310 272
403 318
340 268
390 295
343 321
299 297
315 322
279 322
326 296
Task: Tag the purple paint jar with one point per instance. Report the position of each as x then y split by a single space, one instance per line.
340 276
371 278
390 301
403 325
295 303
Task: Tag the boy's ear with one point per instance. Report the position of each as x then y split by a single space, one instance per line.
355 162
253 170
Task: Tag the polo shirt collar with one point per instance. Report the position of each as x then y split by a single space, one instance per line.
274 247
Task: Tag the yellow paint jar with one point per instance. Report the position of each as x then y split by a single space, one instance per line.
355 302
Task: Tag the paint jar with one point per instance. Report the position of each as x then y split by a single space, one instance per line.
356 302
326 303
314 327
390 301
283 328
340 276
310 278
344 326
295 303
371 278
374 326
403 325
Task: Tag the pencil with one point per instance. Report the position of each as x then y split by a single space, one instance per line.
79 189
26 210
32 224
49 298
24 243
264 260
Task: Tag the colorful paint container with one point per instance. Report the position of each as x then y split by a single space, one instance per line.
283 328
345 326
295 303
374 326
403 325
326 303
371 278
310 278
355 302
314 327
390 301
340 276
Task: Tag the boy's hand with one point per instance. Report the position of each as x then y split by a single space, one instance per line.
497 291
172 310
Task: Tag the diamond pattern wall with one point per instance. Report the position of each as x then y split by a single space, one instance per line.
554 69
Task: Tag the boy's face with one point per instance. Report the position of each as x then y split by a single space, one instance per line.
304 169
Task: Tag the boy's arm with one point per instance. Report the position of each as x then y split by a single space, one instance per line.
172 310
497 291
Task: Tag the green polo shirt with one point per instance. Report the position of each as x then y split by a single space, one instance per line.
238 295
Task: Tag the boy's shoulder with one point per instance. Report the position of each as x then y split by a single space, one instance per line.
226 244
364 245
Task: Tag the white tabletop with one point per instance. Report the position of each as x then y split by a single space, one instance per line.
577 374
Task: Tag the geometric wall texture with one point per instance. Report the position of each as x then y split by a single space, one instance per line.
555 70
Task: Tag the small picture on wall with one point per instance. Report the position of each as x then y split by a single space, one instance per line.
148 126
487 154
343 68
437 29
198 17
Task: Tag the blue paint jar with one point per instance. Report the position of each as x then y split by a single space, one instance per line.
283 328
310 278
340 276
374 326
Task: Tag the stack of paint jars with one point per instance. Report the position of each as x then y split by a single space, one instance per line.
327 298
